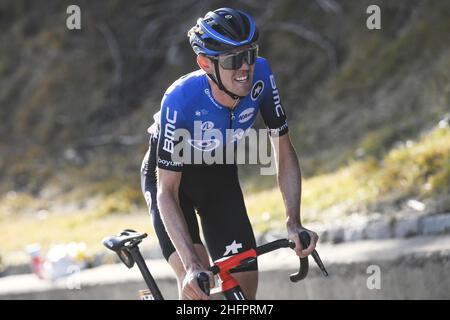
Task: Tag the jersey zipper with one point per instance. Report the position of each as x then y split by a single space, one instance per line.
232 112
231 118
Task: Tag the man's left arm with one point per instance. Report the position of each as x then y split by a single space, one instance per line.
290 183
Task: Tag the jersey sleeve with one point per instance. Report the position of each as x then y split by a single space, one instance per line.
171 119
272 111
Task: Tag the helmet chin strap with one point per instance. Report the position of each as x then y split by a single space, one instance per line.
219 83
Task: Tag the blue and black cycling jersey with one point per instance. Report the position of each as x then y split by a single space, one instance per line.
220 206
188 108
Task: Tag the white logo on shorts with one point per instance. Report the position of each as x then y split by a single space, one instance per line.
232 248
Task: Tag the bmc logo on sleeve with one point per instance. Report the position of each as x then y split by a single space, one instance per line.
169 131
276 97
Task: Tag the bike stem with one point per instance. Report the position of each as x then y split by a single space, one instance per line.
223 268
229 285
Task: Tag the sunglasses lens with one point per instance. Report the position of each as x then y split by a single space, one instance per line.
229 63
235 61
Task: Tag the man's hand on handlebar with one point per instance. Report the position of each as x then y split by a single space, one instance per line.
293 235
190 287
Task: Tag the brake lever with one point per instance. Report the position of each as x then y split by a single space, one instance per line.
305 239
203 282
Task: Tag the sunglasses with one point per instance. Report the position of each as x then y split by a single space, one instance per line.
234 61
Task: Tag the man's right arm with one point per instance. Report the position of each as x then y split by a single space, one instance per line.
172 216
169 177
175 224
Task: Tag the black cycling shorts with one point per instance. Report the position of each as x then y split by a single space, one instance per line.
214 193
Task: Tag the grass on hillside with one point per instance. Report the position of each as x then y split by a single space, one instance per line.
418 169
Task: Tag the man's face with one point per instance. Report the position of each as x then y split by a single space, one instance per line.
238 81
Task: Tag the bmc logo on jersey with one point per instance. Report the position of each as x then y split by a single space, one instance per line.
246 115
257 89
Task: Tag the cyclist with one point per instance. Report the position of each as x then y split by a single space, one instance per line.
232 84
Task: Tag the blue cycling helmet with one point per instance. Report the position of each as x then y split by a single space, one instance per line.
222 30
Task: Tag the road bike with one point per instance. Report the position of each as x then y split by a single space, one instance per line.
125 245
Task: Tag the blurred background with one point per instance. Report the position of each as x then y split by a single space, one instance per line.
368 111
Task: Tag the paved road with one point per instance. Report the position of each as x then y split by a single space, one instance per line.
371 251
